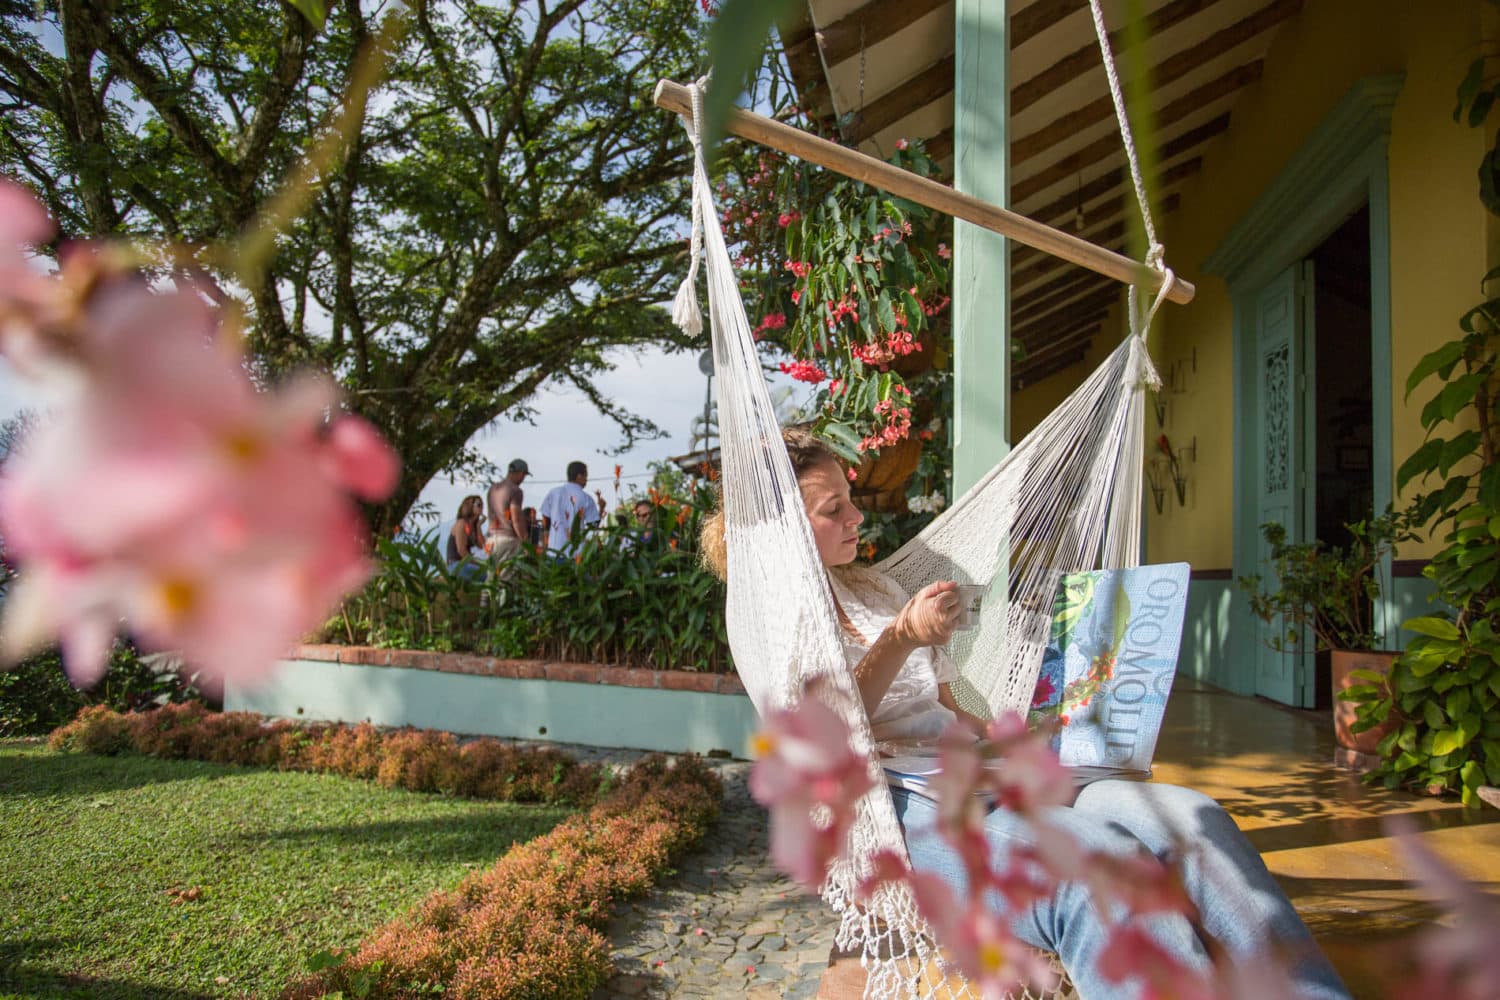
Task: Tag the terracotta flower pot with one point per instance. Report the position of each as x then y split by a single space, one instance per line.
1343 663
880 480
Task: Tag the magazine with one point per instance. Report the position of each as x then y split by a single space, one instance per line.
1106 673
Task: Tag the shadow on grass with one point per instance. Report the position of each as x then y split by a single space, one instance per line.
17 980
467 837
71 775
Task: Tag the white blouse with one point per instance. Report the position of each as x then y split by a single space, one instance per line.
910 716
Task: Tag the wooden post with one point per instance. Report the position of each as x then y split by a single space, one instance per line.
981 257
939 197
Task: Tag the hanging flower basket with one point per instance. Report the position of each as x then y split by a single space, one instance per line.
881 478
919 361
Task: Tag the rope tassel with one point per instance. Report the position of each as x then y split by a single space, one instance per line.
685 312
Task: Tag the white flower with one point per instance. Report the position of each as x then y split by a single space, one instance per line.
929 504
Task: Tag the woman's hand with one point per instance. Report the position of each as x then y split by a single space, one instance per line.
929 618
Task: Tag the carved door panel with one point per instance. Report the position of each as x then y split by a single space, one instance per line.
1281 330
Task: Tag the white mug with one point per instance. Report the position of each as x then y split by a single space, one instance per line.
970 597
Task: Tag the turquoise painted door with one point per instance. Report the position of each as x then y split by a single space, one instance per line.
1281 332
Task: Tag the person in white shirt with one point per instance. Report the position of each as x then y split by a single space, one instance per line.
893 647
565 505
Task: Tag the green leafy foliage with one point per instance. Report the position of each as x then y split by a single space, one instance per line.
1325 593
36 695
1445 687
736 47
629 595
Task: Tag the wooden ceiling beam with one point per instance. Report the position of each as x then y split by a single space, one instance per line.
1021 256
1072 166
1063 128
1109 237
1042 327
1086 325
1040 306
1223 41
1073 65
1108 183
863 27
1065 340
1021 304
940 146
1081 323
1022 379
1031 21
906 97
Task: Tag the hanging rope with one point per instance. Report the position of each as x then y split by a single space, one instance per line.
1140 315
685 311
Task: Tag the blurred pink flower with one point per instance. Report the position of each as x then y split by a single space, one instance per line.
992 957
1140 883
170 493
1132 955
1032 778
810 779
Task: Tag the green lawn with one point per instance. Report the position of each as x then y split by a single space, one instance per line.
96 854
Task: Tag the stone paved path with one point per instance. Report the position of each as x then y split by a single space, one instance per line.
726 924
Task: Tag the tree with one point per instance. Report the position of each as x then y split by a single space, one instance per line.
504 214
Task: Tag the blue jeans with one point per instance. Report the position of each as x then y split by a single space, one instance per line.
1239 903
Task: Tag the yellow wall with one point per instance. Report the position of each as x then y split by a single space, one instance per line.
1438 232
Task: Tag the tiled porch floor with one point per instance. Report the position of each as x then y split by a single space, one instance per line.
1319 828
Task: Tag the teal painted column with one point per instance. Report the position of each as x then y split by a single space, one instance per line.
981 259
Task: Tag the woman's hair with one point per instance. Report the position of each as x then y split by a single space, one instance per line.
470 501
806 452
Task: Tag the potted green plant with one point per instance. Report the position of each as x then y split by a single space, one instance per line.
1445 687
1326 595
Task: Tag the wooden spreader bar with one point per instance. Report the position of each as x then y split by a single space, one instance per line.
939 197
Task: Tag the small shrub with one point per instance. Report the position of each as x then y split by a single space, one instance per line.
36 695
170 732
352 751
419 760
98 729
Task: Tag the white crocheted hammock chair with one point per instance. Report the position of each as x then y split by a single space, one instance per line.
1066 499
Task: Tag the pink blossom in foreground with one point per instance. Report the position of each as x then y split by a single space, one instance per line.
810 779
993 958
169 494
1132 955
1138 883
1032 778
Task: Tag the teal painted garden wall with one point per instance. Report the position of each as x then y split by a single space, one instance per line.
594 714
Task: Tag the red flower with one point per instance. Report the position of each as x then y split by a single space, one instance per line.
804 371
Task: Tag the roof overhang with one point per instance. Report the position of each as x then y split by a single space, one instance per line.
886 67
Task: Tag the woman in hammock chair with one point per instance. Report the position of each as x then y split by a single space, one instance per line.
893 645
